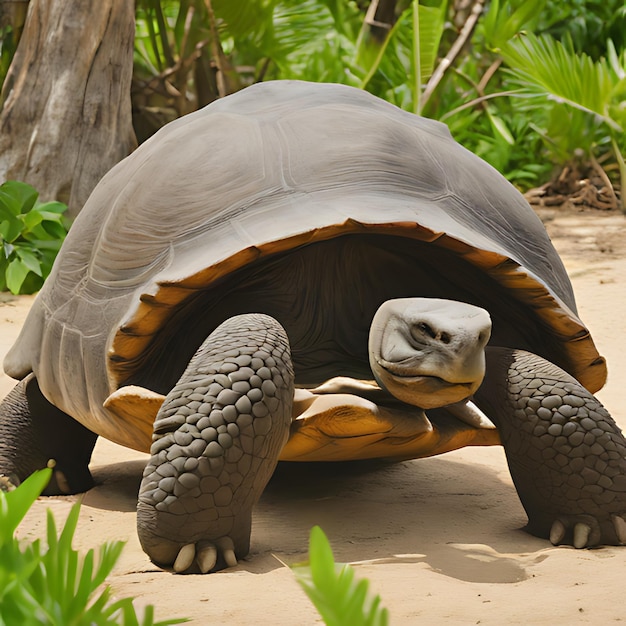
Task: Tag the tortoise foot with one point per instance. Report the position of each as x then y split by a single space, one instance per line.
34 434
566 455
586 531
199 556
216 443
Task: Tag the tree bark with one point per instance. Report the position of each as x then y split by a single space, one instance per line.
66 114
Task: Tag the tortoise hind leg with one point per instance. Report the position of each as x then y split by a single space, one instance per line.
216 443
34 433
566 455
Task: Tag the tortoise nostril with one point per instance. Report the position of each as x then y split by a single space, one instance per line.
445 337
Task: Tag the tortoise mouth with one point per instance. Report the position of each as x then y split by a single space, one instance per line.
410 375
422 390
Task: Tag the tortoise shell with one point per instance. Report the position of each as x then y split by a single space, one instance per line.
313 203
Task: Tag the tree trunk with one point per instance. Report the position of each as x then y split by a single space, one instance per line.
66 117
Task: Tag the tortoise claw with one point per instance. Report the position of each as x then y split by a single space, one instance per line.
227 548
6 484
205 555
619 523
581 535
185 558
583 531
557 533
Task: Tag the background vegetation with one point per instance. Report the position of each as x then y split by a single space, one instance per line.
532 86
31 234
535 87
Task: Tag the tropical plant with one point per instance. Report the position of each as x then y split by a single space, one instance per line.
55 585
338 597
31 234
577 104
588 23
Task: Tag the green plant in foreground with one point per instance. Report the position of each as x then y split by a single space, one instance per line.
31 234
55 585
339 598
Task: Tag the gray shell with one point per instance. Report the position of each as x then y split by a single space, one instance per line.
273 167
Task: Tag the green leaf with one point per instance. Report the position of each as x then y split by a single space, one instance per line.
545 68
29 259
14 504
500 127
54 229
431 26
17 197
311 40
243 18
16 274
410 56
56 586
333 590
31 234
31 220
45 245
51 207
10 228
504 20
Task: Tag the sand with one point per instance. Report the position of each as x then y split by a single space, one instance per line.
440 539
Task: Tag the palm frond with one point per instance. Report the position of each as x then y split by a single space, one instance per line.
544 67
503 20
309 44
243 17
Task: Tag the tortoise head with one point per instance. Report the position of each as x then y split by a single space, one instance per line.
429 352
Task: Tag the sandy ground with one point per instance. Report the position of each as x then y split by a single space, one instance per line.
439 538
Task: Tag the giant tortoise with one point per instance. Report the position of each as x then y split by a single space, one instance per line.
305 272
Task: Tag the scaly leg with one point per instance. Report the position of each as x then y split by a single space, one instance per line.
566 455
216 443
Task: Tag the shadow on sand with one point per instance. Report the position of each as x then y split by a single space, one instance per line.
457 518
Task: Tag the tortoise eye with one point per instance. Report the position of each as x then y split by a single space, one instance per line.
422 328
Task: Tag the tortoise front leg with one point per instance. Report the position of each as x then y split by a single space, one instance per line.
566 455
35 434
216 443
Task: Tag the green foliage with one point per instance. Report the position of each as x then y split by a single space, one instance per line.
338 597
189 52
311 41
333 41
588 23
545 68
410 57
55 585
505 20
549 74
31 234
